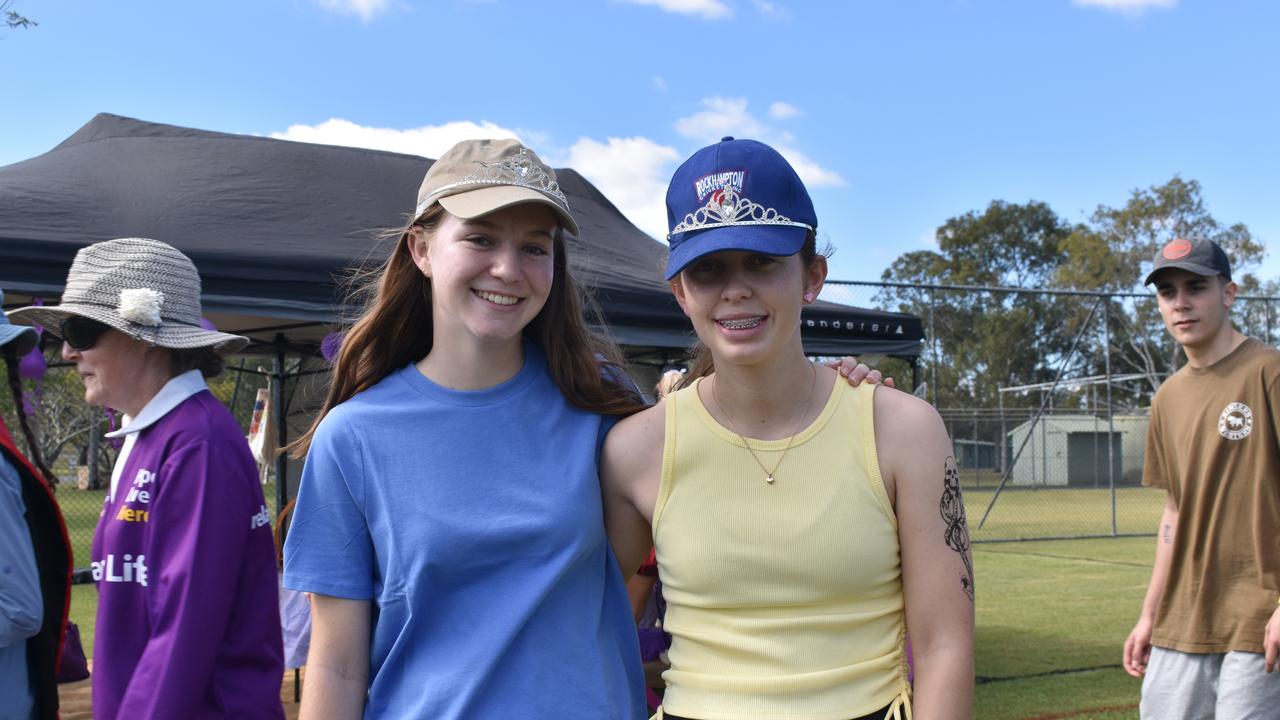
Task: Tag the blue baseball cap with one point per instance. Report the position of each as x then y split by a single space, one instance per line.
22 337
736 195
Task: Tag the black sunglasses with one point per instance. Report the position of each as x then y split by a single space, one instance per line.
81 333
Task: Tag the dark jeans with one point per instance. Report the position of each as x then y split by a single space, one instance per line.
877 715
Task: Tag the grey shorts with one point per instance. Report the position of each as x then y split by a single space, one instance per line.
1209 686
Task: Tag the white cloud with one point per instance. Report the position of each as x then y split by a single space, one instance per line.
722 116
783 111
428 141
1128 7
708 9
770 9
659 83
813 174
366 9
633 173
729 116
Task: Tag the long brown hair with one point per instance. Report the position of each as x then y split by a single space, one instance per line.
15 387
701 363
395 329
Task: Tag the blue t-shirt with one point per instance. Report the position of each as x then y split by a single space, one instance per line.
473 521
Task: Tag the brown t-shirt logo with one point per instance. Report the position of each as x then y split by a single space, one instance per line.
1236 421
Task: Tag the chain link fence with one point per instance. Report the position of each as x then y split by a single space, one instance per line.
1046 395
69 433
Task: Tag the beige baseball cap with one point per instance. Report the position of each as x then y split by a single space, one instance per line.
477 177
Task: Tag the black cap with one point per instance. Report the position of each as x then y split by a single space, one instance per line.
1202 257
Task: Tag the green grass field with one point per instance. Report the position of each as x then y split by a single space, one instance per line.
1018 514
1052 619
80 510
1052 615
1061 512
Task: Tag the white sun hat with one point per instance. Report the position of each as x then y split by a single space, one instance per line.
144 288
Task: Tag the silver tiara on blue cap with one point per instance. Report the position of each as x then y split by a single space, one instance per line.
727 208
521 171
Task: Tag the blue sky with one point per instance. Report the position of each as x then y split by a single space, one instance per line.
898 115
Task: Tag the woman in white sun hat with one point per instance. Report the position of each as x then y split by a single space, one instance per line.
187 622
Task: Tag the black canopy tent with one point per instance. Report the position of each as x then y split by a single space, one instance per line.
274 225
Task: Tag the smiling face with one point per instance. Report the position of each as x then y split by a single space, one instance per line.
490 276
745 306
1195 308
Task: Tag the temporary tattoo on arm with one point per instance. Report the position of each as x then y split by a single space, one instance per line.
957 534
1168 534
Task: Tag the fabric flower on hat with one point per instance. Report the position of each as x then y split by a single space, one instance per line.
141 306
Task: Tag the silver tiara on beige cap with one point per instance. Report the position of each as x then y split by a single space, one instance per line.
477 177
144 288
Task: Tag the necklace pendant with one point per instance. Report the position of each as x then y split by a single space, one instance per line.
769 479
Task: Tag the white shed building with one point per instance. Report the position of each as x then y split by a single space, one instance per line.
1072 450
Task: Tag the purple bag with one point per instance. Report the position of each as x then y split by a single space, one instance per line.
74 666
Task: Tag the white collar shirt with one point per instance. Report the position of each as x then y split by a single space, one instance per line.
172 395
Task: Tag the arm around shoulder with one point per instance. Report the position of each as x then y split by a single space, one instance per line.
630 472
919 468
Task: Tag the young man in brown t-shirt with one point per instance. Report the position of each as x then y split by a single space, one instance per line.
1209 632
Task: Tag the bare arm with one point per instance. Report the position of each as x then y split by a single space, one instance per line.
639 588
338 662
1271 642
1137 647
630 471
937 570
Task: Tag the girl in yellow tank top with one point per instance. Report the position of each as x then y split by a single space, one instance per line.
803 528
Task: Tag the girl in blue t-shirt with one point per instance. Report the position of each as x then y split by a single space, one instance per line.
448 521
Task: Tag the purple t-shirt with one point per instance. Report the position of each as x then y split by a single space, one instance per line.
188 622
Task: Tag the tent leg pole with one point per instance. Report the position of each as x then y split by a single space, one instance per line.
282 431
95 446
235 391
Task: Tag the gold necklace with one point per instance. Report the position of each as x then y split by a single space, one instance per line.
768 474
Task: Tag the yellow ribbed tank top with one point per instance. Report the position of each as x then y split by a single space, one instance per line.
784 601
